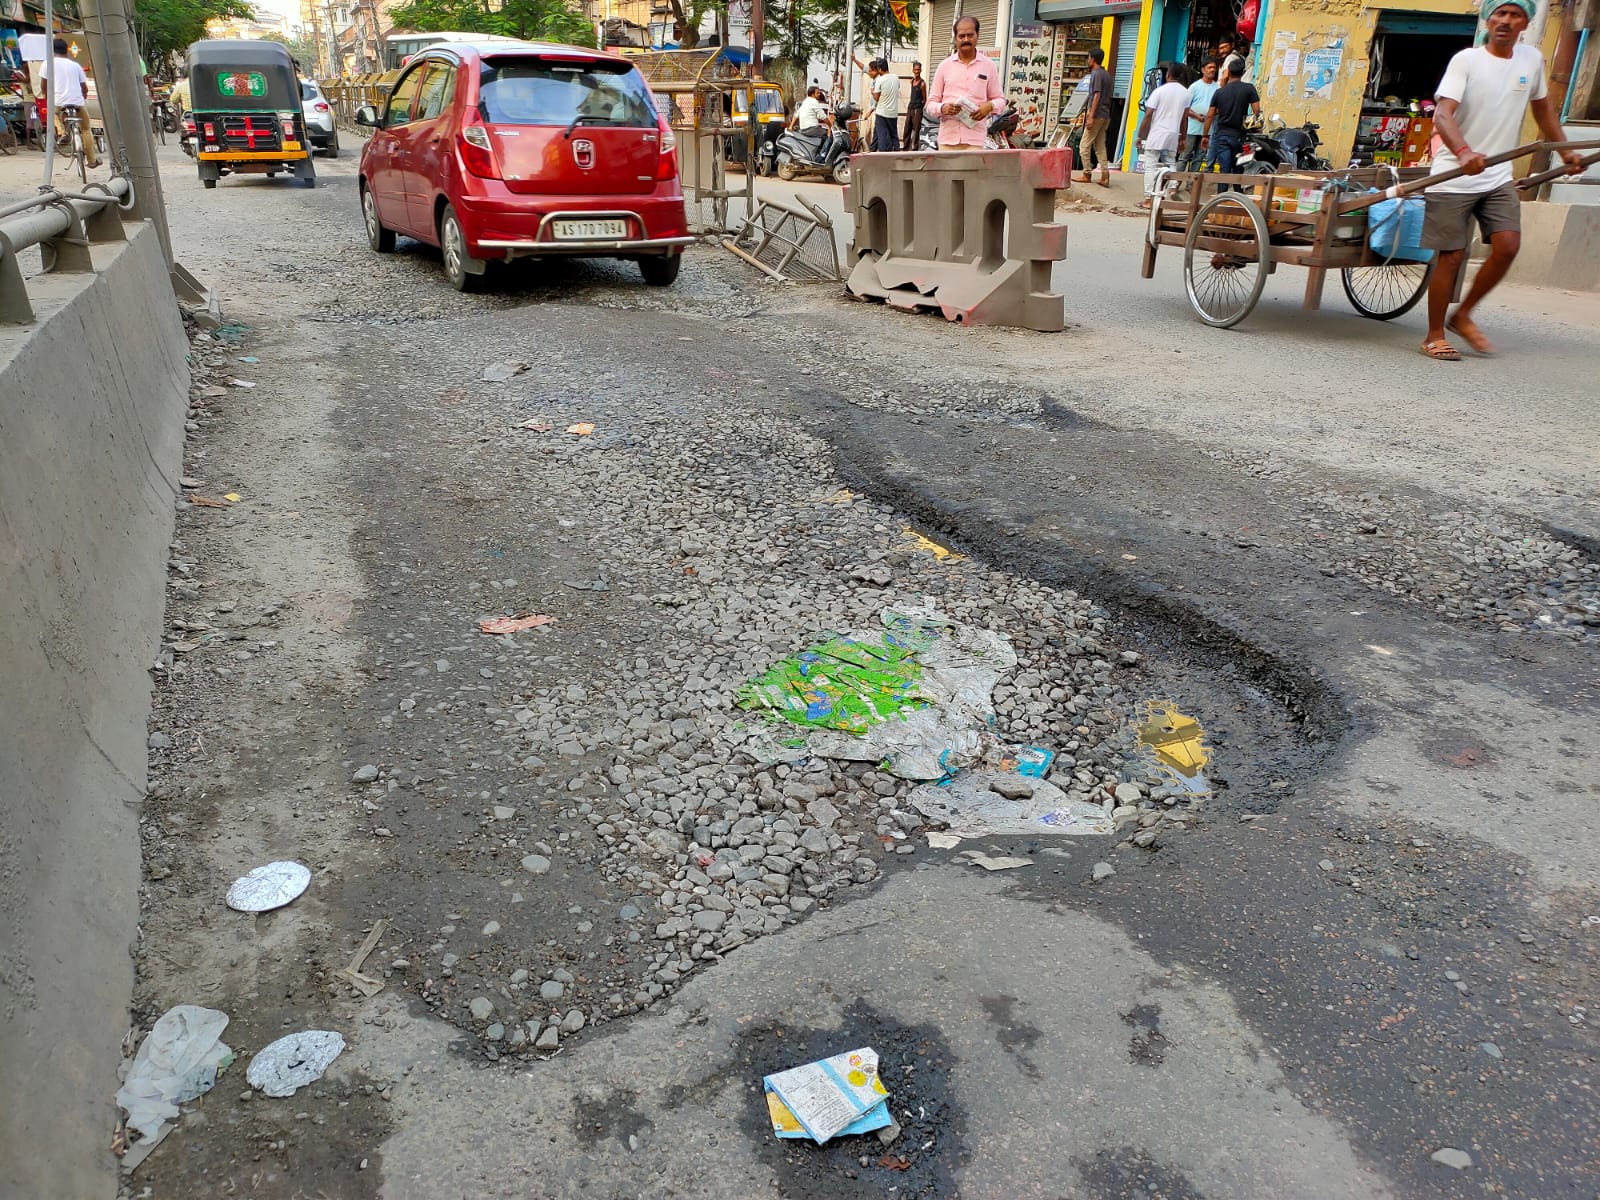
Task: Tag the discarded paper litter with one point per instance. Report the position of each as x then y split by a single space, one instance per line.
914 696
515 624
829 1097
269 886
179 1060
288 1064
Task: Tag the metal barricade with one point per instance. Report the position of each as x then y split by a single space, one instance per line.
970 233
787 243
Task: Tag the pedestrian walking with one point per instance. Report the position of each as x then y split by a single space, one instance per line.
1192 155
1161 128
1482 101
1097 119
916 105
885 105
1231 106
966 90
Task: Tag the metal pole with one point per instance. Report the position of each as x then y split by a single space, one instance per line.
126 113
49 95
849 49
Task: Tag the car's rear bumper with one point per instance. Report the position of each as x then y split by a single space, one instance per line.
513 226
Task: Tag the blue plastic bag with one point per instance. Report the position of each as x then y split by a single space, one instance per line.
1394 229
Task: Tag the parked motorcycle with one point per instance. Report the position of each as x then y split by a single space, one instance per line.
186 138
1301 146
999 136
828 155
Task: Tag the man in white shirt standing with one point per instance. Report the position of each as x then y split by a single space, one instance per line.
1161 128
72 88
885 105
1482 100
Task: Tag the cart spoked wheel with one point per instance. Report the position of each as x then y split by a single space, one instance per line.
1226 258
1386 292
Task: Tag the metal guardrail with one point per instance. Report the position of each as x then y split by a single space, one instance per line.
347 95
63 225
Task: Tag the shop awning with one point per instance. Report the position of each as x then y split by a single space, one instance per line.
1441 24
1084 10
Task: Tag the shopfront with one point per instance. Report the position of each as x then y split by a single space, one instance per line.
1363 71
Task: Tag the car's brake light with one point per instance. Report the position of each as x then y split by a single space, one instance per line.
321 106
477 152
667 164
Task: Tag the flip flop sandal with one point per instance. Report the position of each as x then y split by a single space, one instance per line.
1479 343
1441 351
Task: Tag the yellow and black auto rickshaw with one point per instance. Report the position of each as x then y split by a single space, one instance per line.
247 116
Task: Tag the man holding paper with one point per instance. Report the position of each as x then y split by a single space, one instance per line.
966 90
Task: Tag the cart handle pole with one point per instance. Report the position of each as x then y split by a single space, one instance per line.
1357 203
1533 181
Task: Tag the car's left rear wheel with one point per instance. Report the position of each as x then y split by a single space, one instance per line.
453 245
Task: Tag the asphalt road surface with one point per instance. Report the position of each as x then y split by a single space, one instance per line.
1364 966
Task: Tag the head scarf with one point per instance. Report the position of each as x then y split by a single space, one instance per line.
1527 6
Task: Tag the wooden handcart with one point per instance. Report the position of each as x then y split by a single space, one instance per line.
1236 230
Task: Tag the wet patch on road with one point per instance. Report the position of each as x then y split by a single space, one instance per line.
1148 1045
1131 1174
1016 1037
914 1064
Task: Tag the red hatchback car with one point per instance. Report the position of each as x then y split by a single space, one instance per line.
505 150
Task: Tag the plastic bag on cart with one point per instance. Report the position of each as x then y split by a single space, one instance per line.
1394 229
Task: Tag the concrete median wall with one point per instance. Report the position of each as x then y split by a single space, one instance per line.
92 403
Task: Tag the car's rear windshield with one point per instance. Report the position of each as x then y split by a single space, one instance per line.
308 91
533 91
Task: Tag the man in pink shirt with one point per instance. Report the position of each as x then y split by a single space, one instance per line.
966 84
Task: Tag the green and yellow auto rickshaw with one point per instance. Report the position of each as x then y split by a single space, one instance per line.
245 96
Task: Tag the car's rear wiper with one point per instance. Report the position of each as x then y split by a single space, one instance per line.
580 119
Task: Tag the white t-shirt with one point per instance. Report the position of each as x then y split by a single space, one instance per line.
1493 95
887 89
810 113
72 85
1169 104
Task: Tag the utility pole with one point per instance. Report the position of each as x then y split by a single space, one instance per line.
125 109
849 49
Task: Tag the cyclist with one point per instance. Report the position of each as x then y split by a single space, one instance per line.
72 94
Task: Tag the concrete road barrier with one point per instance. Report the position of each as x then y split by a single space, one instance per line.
971 233
92 404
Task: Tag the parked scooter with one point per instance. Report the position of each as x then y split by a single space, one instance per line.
186 138
828 155
1261 154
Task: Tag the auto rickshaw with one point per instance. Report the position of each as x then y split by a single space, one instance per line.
245 97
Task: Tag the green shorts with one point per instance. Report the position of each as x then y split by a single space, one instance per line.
1447 222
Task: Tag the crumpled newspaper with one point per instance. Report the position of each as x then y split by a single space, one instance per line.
288 1064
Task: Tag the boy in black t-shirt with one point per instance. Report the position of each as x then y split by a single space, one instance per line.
1233 104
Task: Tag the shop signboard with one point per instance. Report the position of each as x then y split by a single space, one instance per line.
1027 75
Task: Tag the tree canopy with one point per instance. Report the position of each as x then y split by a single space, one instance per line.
166 27
544 20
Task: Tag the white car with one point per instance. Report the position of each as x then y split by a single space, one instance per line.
324 134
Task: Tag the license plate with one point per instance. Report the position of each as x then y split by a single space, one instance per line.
590 231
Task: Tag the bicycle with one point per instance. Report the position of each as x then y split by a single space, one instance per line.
72 118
